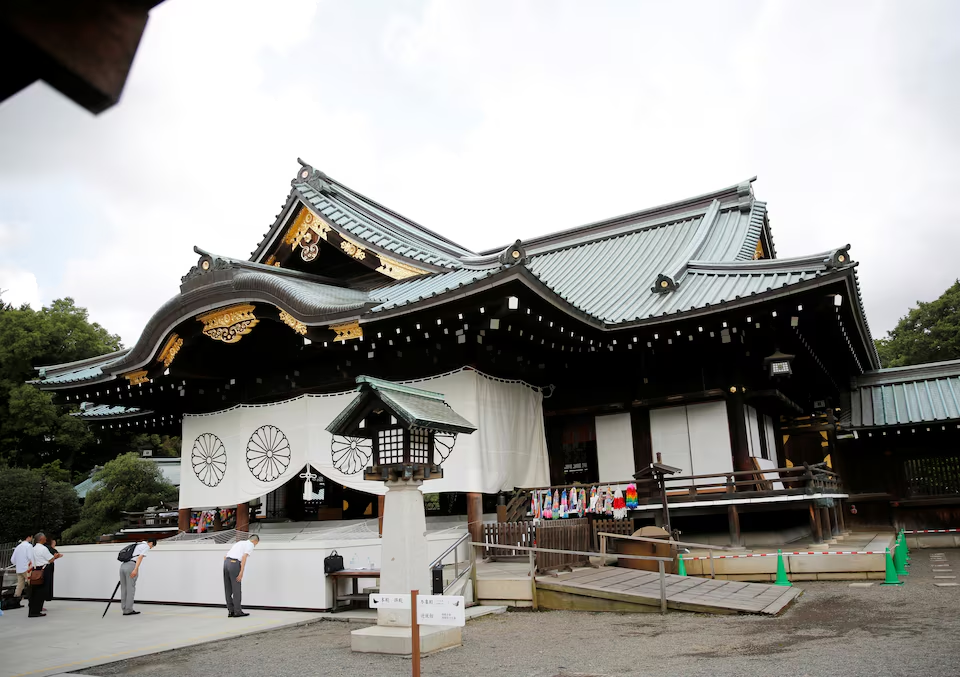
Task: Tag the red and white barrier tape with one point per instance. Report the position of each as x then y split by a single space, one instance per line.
932 531
774 554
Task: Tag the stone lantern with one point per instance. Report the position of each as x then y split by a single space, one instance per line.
401 422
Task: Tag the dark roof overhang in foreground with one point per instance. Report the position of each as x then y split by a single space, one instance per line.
905 396
648 269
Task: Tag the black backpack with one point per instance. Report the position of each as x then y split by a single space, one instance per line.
127 553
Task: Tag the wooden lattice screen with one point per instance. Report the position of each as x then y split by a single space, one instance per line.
932 476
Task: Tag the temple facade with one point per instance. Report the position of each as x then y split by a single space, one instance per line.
672 334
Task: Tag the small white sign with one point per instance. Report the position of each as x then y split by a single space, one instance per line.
379 601
440 610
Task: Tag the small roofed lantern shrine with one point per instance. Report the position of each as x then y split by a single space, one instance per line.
402 424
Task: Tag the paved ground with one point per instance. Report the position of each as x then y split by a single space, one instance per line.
73 635
834 629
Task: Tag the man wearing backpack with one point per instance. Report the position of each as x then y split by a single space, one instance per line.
132 556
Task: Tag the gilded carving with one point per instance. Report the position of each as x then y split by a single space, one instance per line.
271 261
398 270
353 250
229 324
135 377
758 252
292 322
347 330
170 350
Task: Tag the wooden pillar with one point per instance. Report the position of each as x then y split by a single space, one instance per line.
739 446
475 516
380 500
825 523
501 508
183 519
243 517
840 522
733 519
815 530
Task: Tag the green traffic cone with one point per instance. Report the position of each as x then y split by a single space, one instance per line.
906 550
890 574
899 556
782 572
681 567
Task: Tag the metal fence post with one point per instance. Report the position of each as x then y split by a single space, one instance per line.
663 588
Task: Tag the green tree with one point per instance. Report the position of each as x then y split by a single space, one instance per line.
33 429
928 333
162 445
126 484
34 500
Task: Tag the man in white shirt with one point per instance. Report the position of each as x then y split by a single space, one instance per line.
234 565
41 556
22 559
128 576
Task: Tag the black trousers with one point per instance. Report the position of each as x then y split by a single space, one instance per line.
38 595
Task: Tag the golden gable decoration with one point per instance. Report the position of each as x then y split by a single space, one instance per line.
170 350
229 324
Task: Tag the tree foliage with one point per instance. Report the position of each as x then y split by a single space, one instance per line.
930 332
33 429
126 484
36 500
162 445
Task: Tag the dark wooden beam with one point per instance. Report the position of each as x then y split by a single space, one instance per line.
82 49
642 443
739 446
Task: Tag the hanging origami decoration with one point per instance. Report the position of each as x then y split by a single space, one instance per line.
594 499
619 505
535 505
564 505
583 502
556 504
608 501
631 497
547 507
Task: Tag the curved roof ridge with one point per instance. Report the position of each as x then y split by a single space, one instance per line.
274 270
834 258
662 214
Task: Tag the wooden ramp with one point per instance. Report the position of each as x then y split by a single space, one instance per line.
620 589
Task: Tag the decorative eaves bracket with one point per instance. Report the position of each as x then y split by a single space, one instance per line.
513 255
664 285
838 258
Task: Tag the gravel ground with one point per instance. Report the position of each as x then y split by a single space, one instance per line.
833 629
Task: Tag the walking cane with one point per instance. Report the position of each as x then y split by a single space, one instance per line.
111 599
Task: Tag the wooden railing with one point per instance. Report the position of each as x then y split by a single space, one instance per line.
141 520
773 482
568 534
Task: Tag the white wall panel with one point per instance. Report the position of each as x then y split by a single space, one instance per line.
615 448
709 439
753 431
771 435
278 574
670 438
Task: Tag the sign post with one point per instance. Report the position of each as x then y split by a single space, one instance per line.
415 638
424 610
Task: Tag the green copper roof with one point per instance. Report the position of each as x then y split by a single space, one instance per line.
416 408
921 394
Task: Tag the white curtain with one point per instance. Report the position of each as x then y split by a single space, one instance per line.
264 446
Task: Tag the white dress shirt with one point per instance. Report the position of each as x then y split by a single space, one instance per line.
22 556
142 549
239 549
41 556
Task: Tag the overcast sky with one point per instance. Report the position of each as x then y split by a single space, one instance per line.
488 121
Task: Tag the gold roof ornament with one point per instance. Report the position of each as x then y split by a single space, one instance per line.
170 350
292 322
229 324
136 377
347 330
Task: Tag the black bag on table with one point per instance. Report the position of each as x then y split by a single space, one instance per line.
332 562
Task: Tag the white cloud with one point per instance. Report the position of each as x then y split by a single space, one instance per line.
19 287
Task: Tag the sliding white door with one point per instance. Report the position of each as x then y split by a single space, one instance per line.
694 438
615 448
